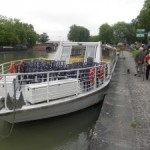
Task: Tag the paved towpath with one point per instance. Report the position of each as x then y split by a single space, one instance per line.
124 121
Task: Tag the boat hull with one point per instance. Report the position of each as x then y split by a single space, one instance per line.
59 108
13 49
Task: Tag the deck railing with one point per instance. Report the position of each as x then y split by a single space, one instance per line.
88 79
4 68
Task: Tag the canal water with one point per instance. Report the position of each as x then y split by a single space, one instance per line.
69 132
5 57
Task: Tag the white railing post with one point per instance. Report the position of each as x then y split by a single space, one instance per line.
48 87
108 70
5 92
78 82
95 82
104 72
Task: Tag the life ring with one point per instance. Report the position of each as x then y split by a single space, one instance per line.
102 71
12 68
92 75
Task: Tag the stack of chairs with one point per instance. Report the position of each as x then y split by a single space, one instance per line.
45 66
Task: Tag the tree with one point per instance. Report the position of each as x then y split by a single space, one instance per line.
144 19
13 33
123 32
78 34
144 16
131 33
43 38
106 33
94 38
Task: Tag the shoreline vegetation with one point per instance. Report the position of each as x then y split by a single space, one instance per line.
13 32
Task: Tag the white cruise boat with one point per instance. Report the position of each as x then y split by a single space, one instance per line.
38 88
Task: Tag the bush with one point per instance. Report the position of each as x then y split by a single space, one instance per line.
134 52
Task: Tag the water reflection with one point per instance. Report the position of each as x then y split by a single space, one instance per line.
69 132
6 57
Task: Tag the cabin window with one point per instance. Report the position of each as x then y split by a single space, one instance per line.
66 53
78 51
77 54
90 52
108 54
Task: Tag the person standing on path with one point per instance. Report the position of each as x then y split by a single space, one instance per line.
147 61
139 61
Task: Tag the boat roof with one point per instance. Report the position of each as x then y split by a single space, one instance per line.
80 43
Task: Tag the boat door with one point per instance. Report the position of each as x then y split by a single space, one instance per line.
66 52
90 52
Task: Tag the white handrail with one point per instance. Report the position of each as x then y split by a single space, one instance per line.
81 74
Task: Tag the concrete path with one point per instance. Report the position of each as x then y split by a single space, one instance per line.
124 121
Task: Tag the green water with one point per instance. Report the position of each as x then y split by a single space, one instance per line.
69 132
5 57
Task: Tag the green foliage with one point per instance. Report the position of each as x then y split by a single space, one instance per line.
130 34
13 32
43 38
144 19
78 34
144 16
133 124
119 32
106 33
124 32
94 38
134 52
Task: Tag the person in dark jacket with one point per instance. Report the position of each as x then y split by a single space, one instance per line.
147 61
139 61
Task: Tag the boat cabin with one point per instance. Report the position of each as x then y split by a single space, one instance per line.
78 51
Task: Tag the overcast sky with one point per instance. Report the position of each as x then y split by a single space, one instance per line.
56 16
